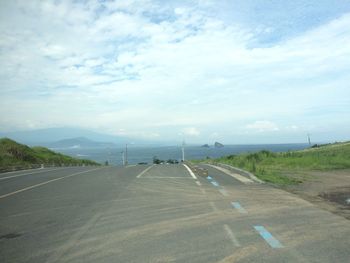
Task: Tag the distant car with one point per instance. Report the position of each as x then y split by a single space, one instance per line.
142 163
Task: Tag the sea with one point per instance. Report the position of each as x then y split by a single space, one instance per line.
137 154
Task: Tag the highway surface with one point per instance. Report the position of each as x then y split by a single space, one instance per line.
160 213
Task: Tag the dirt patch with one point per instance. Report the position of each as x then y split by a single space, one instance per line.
340 196
329 190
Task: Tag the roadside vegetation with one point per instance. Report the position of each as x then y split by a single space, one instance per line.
287 168
13 154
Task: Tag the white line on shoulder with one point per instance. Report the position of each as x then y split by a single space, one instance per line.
190 171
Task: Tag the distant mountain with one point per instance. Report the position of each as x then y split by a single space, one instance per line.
80 142
51 135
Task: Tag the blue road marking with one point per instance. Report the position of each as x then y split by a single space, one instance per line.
215 183
209 177
273 242
238 206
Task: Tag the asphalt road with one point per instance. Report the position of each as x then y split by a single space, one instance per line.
160 213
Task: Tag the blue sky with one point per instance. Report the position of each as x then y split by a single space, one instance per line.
234 71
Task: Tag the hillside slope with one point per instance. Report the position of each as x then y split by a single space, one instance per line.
15 154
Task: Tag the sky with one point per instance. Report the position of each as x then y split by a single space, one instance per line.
237 71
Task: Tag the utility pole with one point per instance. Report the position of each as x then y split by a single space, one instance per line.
126 154
183 151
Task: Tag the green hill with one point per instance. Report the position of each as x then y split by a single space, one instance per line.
288 167
14 154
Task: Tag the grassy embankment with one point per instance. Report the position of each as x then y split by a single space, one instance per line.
13 154
290 167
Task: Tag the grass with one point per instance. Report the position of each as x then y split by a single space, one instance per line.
15 154
286 168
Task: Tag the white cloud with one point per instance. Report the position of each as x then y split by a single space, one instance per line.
157 68
263 126
191 131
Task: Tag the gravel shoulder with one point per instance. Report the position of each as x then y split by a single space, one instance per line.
329 190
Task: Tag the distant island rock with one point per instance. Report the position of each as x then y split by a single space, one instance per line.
205 146
218 145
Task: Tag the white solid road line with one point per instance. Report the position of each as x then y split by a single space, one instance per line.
145 171
37 172
165 177
43 183
234 175
231 236
190 171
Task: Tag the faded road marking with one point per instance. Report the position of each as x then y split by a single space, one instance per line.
273 242
238 206
215 183
213 206
234 175
74 240
190 171
198 183
223 192
43 183
231 236
145 171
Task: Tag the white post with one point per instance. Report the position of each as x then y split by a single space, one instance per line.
123 157
126 154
